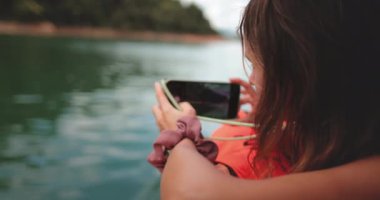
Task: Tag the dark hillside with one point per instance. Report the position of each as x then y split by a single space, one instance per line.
133 15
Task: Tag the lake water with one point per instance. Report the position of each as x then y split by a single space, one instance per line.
75 114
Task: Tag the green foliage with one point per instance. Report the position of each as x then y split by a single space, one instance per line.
28 10
155 15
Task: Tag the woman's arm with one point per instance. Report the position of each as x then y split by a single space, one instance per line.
188 175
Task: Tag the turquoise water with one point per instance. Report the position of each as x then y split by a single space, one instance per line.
75 119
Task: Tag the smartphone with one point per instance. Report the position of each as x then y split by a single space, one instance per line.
210 99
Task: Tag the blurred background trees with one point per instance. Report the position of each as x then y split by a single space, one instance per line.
152 15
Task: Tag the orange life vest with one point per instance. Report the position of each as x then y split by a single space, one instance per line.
239 154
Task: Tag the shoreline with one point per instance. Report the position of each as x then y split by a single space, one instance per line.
48 29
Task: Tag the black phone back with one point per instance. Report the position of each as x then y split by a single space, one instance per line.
209 99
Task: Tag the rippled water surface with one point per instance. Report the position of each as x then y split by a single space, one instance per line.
75 114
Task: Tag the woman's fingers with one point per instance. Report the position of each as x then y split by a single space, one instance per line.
245 100
165 114
161 98
157 112
246 85
249 96
187 108
248 89
241 82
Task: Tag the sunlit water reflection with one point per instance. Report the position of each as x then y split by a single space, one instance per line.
75 120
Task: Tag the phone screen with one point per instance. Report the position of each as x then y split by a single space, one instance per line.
209 99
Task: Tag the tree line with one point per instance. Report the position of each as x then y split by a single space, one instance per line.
154 15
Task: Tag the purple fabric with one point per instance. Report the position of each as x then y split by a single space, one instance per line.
188 127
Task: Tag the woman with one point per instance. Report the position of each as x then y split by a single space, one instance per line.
315 65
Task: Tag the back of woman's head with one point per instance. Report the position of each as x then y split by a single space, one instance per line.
320 63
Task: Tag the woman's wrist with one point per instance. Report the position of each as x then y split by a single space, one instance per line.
187 137
185 143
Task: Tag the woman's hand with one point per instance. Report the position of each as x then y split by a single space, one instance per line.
165 114
249 96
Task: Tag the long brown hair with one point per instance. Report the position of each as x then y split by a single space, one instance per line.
320 77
